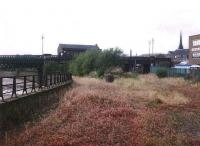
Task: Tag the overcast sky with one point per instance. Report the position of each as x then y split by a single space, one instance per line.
128 24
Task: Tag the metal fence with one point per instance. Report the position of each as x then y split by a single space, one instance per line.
12 86
177 72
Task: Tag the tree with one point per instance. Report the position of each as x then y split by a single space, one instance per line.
95 60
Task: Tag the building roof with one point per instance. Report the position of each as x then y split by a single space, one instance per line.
77 46
180 51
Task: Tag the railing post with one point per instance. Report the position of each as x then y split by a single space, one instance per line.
65 77
51 79
54 78
61 78
1 88
24 89
57 78
40 77
46 80
69 76
60 75
14 87
33 84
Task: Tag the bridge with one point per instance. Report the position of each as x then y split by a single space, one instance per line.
28 61
38 61
144 63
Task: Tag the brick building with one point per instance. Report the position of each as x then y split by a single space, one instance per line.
70 50
194 49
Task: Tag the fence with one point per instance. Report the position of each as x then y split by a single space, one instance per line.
179 72
12 86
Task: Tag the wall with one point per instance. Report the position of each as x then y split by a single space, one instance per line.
25 108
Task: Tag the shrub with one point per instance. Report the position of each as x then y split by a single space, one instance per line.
109 78
84 63
155 102
162 72
131 75
58 67
100 72
95 60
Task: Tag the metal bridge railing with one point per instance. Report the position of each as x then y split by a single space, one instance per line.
13 86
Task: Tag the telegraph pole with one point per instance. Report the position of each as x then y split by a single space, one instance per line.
152 45
149 47
42 44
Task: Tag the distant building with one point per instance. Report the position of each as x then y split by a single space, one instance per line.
194 49
180 54
70 50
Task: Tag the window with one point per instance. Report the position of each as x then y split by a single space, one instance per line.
196 55
196 42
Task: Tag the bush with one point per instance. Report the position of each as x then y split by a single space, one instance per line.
155 102
100 72
58 67
131 75
162 72
109 78
84 63
95 60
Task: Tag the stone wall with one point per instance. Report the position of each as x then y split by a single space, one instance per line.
19 110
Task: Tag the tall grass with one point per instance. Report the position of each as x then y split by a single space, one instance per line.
151 87
96 113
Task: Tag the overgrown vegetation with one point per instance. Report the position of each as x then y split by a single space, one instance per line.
147 111
55 67
95 60
162 72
